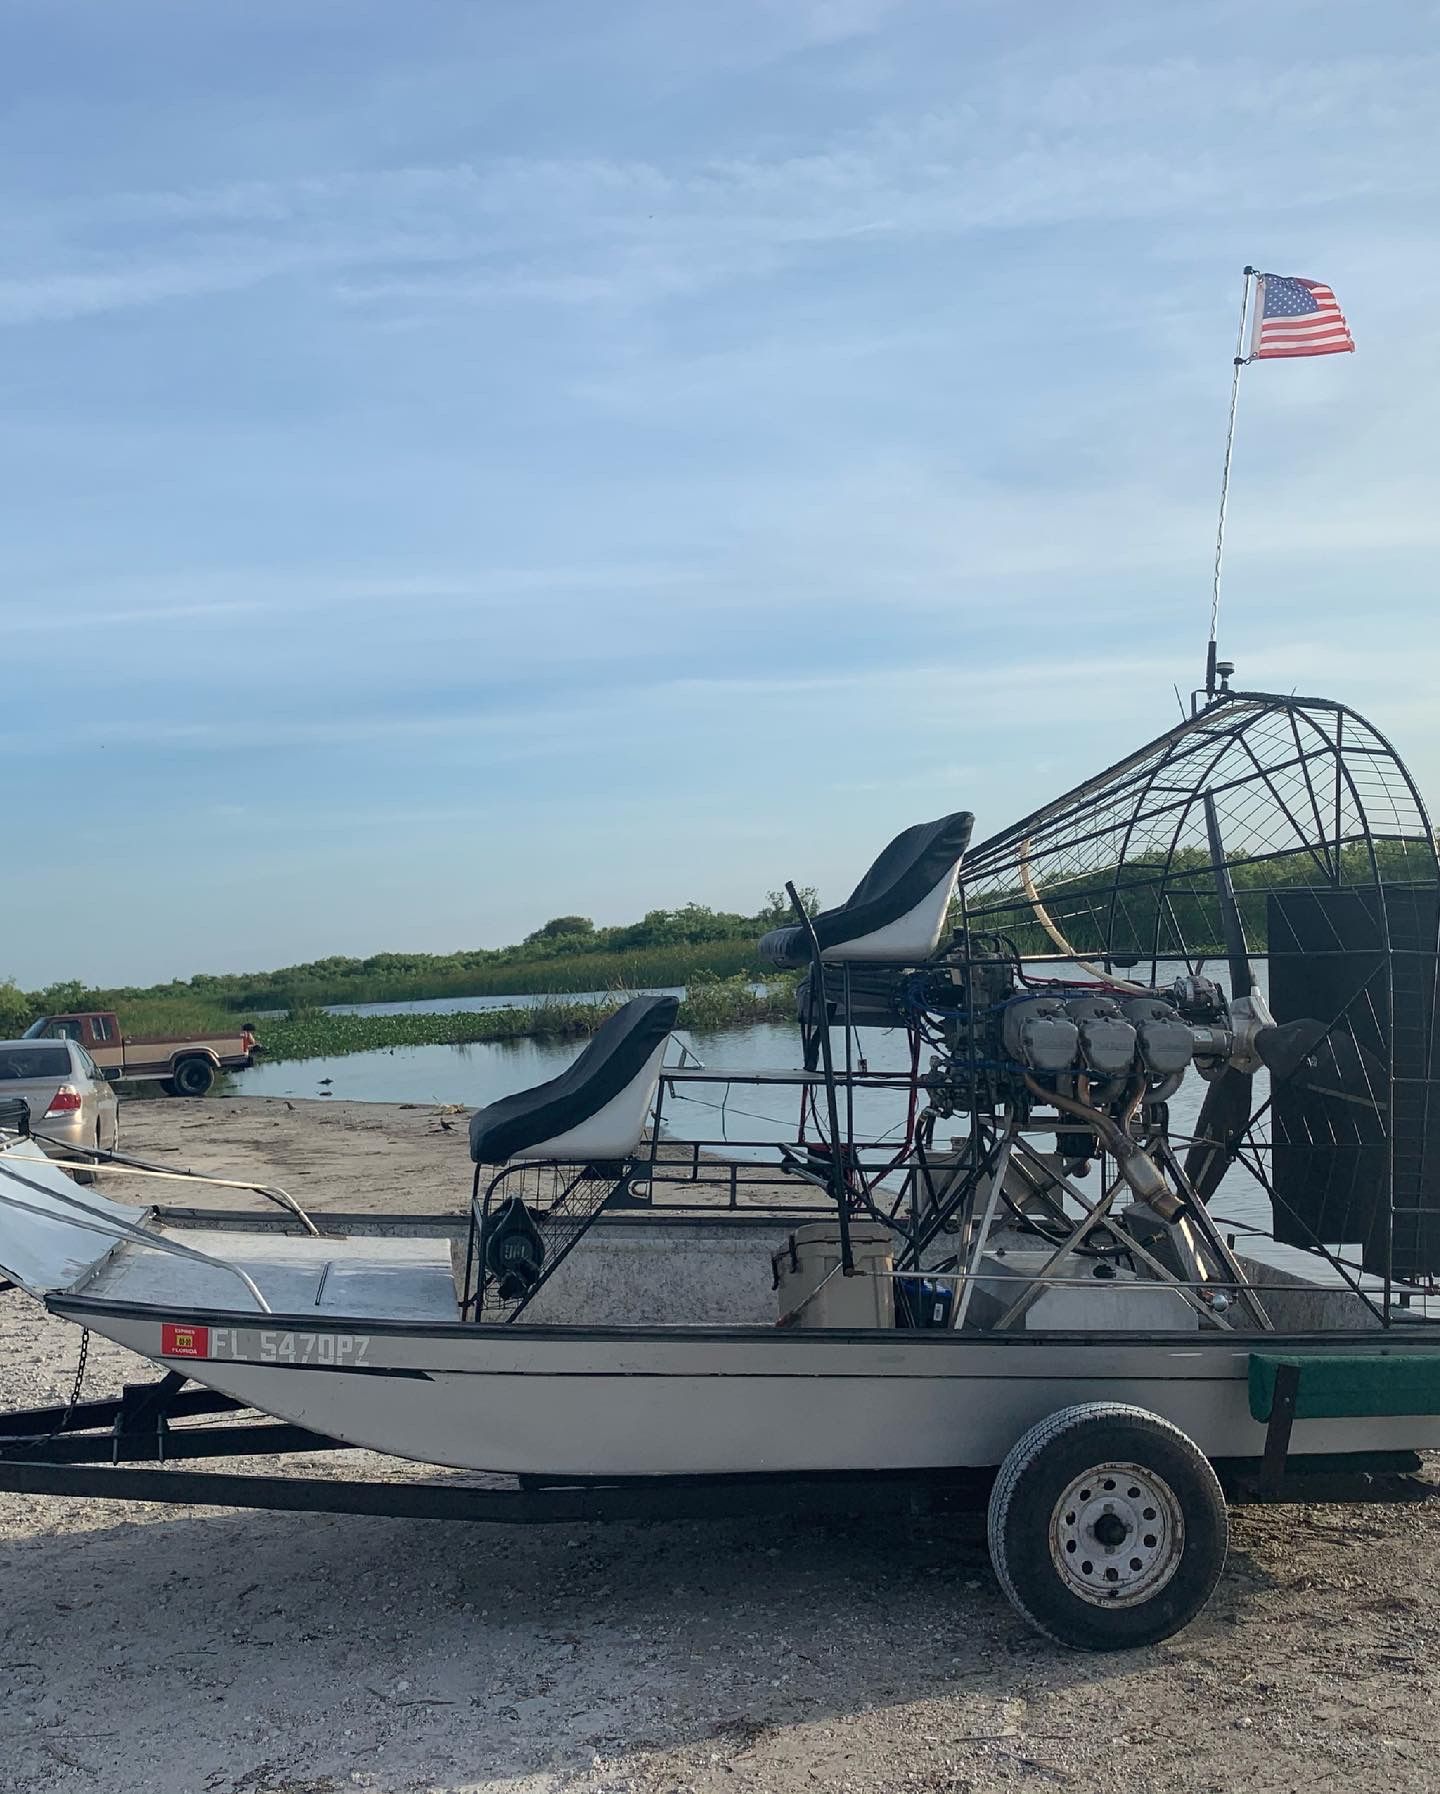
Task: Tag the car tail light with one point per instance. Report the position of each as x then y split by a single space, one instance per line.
66 1100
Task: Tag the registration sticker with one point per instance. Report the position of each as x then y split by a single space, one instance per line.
178 1340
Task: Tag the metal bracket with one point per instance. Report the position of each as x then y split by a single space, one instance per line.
1283 1404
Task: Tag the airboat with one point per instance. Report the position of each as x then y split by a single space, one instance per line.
1154 1220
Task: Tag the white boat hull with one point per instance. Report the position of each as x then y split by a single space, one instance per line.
683 1402
358 1338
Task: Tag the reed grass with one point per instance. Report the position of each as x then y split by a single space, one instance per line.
194 1009
711 1003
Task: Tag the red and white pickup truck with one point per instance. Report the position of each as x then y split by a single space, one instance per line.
186 1066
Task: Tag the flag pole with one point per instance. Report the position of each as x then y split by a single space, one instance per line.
1210 651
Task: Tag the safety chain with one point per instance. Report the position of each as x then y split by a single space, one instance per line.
29 1443
79 1383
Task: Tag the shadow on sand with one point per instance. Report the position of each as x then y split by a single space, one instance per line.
251 1651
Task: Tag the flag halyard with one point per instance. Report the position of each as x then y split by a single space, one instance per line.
1287 317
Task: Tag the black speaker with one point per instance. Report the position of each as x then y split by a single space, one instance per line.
1356 1130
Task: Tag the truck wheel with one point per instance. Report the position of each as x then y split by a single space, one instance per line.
1107 1527
194 1077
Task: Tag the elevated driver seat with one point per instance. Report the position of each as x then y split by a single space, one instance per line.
896 912
596 1108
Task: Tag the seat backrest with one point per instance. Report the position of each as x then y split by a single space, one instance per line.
897 911
596 1107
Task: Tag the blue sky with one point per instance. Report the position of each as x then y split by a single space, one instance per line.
469 462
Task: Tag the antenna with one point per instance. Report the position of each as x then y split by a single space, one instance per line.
1212 665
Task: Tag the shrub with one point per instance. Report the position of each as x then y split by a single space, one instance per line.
16 1011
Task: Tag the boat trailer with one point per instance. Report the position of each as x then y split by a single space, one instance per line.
128 1448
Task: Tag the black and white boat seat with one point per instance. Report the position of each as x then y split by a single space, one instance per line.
596 1108
896 912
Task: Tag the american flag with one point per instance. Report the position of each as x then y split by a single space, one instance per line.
1296 317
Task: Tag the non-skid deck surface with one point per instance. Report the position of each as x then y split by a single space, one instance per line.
381 1279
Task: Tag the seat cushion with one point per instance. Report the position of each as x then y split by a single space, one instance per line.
903 876
618 1052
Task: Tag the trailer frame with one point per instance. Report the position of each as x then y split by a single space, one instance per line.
128 1447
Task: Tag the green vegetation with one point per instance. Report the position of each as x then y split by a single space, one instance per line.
712 1003
567 954
1190 919
710 952
16 1011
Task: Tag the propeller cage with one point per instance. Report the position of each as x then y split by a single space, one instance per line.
1255 897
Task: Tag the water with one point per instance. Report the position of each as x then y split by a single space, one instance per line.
465 1005
459 1005
480 1073
484 1071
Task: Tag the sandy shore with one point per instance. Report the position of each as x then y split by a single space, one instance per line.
357 1157
160 1650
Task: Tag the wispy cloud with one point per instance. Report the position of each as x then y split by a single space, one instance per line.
831 21
46 619
1014 150
508 435
221 595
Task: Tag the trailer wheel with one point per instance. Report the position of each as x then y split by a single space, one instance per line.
193 1077
1107 1527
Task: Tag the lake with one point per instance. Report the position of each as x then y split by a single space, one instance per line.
483 1071
480 1073
470 1005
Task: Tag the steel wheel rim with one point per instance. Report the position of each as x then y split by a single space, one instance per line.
1116 1535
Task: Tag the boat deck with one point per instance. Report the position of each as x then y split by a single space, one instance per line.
383 1278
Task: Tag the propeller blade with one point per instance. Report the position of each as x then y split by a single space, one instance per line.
1284 1048
1242 979
1306 1055
1312 1058
1224 1115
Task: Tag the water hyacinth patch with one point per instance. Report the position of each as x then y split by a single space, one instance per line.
710 1002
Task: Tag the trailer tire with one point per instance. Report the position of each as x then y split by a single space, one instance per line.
1107 1527
193 1077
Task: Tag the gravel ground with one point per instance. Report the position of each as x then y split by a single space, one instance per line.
160 1650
